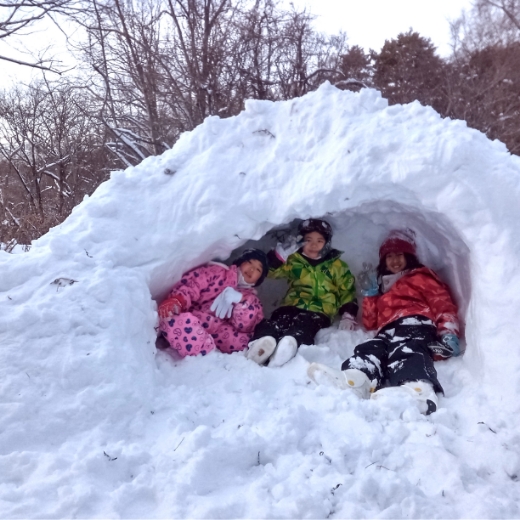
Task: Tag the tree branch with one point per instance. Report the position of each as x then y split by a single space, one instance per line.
33 65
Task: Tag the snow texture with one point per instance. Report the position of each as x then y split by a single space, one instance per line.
96 423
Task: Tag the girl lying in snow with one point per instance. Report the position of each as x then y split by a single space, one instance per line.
215 306
320 285
417 324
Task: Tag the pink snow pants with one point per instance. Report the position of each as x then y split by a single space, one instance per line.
196 332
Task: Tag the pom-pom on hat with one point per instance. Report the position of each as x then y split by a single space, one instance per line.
398 241
254 254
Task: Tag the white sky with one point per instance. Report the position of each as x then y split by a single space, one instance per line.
368 23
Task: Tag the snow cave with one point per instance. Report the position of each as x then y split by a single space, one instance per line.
359 232
97 423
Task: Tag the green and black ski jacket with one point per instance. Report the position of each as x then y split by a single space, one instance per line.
324 285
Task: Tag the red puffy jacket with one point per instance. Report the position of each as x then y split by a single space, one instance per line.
419 291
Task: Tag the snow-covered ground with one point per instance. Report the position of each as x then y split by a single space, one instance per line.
95 423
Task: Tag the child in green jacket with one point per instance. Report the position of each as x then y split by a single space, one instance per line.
320 286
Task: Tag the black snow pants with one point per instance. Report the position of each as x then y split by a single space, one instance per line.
399 353
301 324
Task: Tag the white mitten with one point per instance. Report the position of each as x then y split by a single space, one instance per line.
222 305
347 322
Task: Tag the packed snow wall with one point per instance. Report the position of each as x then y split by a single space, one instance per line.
81 300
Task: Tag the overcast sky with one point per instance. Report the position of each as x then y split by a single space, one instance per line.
368 23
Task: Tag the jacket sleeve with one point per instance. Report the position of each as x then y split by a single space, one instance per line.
369 311
194 283
439 299
273 261
345 282
247 314
277 268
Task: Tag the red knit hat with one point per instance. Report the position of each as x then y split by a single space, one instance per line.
398 241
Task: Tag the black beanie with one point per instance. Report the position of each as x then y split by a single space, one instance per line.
254 254
320 226
315 224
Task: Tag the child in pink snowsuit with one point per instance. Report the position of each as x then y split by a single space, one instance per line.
214 306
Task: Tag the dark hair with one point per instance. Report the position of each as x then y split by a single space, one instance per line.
254 254
411 263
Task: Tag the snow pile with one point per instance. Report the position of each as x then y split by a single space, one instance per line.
96 423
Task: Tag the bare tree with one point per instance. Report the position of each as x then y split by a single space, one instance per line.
123 48
295 65
53 155
162 67
483 77
282 56
19 18
201 40
258 49
489 22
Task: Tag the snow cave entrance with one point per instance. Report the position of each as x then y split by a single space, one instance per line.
358 232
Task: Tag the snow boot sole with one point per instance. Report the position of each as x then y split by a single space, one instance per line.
352 379
284 352
261 349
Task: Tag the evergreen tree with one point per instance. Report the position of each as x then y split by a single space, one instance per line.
356 66
407 69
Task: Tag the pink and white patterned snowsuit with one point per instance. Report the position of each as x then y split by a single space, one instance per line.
197 330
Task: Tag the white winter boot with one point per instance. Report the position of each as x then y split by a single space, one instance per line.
354 379
261 349
422 391
284 352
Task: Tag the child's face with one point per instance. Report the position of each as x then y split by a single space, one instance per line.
313 243
395 262
251 270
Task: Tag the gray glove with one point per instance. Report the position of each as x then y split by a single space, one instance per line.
347 322
283 251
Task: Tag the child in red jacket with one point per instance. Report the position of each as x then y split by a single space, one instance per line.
417 323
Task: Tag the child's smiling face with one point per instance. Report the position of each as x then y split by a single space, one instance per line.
251 270
313 243
395 262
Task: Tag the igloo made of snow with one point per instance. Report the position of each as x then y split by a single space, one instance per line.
80 354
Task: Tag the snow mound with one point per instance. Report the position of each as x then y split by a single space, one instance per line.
96 423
